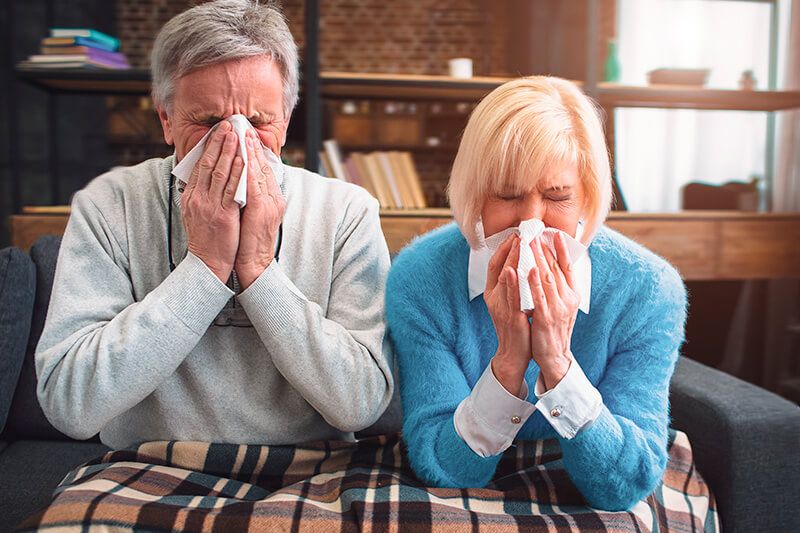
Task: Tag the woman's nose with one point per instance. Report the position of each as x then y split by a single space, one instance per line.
532 207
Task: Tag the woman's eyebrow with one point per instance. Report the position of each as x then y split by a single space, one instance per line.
558 188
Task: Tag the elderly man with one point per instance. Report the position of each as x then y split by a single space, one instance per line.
178 315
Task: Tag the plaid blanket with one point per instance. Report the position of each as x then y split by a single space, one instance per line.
347 486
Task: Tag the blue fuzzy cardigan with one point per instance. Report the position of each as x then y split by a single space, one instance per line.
627 346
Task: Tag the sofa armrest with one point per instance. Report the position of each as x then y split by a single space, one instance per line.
746 443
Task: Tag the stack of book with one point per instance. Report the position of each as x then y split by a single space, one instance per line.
391 177
78 48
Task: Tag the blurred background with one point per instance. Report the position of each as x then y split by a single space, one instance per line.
701 100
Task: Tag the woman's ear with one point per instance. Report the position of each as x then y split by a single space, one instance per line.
163 117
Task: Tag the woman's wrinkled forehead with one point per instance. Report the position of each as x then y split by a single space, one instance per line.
547 175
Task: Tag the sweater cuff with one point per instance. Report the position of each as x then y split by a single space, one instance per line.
272 300
572 404
194 294
490 417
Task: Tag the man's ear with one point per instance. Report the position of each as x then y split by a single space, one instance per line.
163 117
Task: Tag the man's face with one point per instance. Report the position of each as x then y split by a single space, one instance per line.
251 87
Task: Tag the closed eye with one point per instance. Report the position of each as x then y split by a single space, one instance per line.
559 198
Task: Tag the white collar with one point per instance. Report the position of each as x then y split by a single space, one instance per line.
479 266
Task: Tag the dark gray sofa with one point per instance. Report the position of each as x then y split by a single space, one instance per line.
746 440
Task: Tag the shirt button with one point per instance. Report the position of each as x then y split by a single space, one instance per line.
555 412
515 419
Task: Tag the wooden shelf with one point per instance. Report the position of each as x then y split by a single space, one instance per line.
100 81
450 148
702 245
682 97
352 85
421 87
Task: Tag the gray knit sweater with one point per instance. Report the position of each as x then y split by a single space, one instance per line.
137 353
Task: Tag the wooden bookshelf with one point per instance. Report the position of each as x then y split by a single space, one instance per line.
683 97
349 85
703 245
418 87
99 81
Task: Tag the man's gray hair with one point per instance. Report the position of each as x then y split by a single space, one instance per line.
219 31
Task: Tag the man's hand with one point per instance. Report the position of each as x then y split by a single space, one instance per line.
261 217
209 212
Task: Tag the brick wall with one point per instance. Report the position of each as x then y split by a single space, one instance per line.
504 38
416 36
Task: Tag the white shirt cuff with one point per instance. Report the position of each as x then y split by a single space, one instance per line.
489 418
572 404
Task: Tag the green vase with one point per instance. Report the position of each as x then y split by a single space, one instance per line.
612 62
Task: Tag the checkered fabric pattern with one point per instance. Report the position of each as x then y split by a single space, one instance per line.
352 486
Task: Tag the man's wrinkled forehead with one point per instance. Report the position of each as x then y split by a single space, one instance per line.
251 87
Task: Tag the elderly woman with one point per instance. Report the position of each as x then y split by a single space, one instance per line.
566 342
188 307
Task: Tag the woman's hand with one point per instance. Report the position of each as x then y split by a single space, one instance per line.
512 327
555 308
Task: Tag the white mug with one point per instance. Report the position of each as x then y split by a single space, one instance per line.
460 67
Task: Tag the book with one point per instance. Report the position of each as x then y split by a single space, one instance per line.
378 181
58 61
83 50
88 63
359 160
352 172
324 165
390 179
416 184
403 181
88 33
334 158
96 55
76 41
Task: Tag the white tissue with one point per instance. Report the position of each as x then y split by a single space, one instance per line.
240 124
527 231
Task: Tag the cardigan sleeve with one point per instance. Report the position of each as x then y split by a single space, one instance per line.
620 458
432 382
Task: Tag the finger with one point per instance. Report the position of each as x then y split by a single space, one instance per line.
512 286
548 280
268 182
537 291
222 171
233 183
208 161
255 178
497 262
564 260
555 268
512 260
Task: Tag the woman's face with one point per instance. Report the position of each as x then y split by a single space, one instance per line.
557 201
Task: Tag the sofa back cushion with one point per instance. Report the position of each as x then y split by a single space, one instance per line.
17 288
27 420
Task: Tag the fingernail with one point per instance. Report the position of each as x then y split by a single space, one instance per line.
225 126
569 266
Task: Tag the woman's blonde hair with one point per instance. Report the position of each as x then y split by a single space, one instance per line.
522 132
